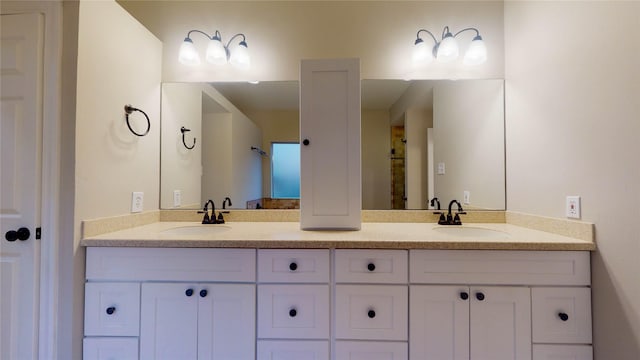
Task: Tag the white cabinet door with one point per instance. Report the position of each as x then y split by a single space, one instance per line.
370 350
439 324
226 321
293 350
110 348
500 320
330 185
562 352
168 321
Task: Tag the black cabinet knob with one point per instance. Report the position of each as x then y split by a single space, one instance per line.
203 293
293 312
111 310
563 316
371 266
464 295
371 314
305 142
21 234
189 292
480 296
293 266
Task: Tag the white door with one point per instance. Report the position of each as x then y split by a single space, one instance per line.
500 323
20 160
226 321
439 325
169 321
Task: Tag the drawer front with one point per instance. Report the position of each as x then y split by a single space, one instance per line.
112 309
561 315
308 266
564 352
371 312
293 350
371 266
171 264
499 267
359 350
293 311
110 348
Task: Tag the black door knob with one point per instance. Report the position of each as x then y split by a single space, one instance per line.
23 234
11 235
563 316
189 292
464 295
293 266
111 310
480 296
203 293
371 314
305 142
293 312
371 266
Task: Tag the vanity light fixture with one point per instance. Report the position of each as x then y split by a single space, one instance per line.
447 50
217 52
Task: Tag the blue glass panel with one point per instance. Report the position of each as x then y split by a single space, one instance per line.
285 171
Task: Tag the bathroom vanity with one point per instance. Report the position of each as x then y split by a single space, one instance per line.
176 290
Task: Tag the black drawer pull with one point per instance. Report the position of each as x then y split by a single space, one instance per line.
480 296
203 293
111 310
563 316
371 314
371 266
293 266
464 295
293 312
189 292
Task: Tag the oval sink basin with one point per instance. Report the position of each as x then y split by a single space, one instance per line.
197 230
472 232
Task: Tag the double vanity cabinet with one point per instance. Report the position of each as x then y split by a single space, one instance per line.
357 304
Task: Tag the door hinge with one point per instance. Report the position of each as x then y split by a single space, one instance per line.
38 233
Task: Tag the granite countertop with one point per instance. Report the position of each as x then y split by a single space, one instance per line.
472 236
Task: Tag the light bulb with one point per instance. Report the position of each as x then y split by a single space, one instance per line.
239 55
477 52
216 53
188 54
448 49
421 52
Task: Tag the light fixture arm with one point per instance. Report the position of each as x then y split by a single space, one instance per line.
235 36
201 32
428 32
469 29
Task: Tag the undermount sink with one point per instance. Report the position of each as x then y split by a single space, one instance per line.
196 230
472 232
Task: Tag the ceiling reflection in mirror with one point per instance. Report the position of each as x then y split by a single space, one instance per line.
421 139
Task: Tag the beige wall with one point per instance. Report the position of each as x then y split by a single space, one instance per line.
181 168
468 132
376 163
217 166
416 124
572 108
281 33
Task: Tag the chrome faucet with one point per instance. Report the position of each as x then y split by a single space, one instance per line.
452 220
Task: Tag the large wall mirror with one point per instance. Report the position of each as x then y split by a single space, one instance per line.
420 139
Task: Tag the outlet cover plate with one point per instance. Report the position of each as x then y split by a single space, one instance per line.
466 197
573 207
137 201
177 198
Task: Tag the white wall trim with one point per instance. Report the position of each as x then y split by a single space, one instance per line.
51 137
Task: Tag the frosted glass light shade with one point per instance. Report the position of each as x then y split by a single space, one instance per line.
477 52
216 53
422 53
448 50
188 54
239 55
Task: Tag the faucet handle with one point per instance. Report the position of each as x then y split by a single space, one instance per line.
220 219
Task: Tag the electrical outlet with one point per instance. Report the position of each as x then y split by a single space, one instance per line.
177 198
441 169
466 197
137 201
573 207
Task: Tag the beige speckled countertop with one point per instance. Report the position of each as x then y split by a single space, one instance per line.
491 236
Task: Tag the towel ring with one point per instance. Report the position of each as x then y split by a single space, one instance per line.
184 130
128 109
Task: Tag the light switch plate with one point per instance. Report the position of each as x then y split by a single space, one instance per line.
466 197
177 198
573 207
137 201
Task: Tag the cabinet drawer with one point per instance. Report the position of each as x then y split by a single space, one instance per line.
365 350
293 311
561 315
293 350
171 264
568 352
309 266
499 267
109 348
371 312
371 266
111 309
